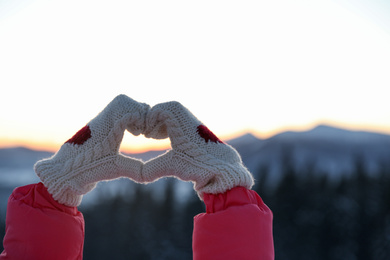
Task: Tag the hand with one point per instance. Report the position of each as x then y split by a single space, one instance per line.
197 155
92 154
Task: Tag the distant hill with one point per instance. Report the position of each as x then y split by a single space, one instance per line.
327 150
323 150
20 157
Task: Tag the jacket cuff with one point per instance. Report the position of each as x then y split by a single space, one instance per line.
237 196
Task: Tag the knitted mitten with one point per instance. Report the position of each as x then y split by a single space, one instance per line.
92 154
197 155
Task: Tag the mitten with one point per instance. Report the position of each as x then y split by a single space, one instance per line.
92 154
197 155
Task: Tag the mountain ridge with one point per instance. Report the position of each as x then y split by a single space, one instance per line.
329 149
318 150
319 131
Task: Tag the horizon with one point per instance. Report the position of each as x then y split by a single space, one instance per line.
161 145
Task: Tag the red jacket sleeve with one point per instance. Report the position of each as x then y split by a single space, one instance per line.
237 225
38 227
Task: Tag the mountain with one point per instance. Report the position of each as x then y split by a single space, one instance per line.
20 157
323 150
16 168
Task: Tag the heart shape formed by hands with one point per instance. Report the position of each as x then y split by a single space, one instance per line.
92 154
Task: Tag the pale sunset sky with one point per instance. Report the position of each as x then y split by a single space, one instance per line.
240 66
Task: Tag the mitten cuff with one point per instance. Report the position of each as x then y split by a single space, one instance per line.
229 177
59 184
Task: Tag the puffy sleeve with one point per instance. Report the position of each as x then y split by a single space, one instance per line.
237 225
38 227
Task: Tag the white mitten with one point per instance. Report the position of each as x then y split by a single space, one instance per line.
197 155
92 154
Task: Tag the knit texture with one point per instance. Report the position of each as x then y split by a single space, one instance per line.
197 155
92 154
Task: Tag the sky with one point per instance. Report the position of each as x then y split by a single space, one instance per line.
240 66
